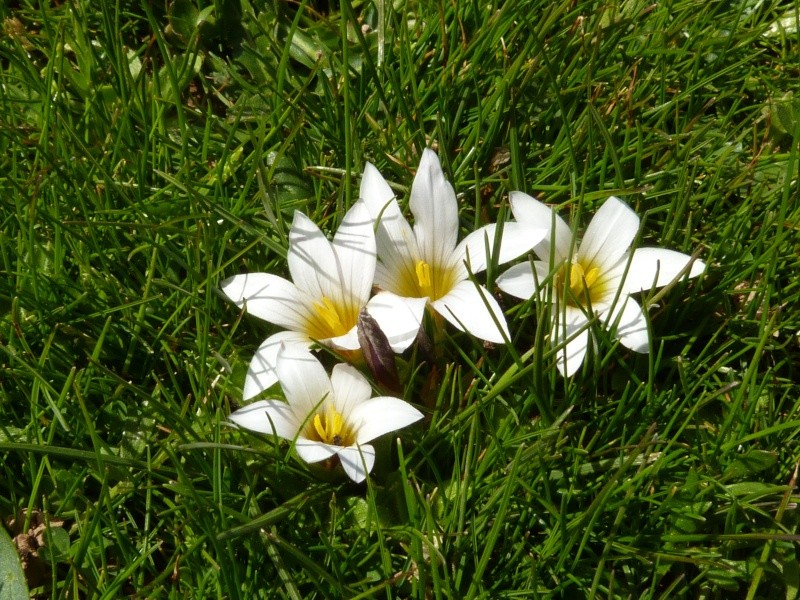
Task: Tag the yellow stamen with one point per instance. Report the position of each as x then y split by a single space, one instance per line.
591 276
330 316
422 279
423 270
580 281
330 428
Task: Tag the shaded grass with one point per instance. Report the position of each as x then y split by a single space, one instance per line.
143 163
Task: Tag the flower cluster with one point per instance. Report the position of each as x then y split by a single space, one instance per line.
421 268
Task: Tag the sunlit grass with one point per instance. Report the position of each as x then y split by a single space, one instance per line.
148 151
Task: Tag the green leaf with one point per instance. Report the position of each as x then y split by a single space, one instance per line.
754 488
183 18
12 579
783 115
305 49
791 577
359 511
56 545
749 463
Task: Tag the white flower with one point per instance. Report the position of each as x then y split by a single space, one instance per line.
591 278
332 283
326 416
427 263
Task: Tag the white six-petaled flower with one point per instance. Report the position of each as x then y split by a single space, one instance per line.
332 282
597 276
427 262
326 416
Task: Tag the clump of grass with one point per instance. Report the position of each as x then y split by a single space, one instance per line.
148 152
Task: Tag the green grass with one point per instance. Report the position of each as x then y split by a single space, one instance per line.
148 151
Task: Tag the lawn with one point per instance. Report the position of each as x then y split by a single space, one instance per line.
149 151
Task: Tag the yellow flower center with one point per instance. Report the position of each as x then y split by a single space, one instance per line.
577 282
330 428
426 280
329 320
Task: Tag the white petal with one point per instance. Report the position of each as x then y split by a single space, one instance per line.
357 461
261 374
433 203
375 192
609 235
348 341
381 415
570 357
529 211
267 416
520 280
517 239
350 388
312 261
610 282
354 246
312 451
656 267
471 307
399 318
631 325
269 297
303 379
397 246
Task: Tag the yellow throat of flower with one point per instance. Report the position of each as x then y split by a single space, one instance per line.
427 281
330 428
327 320
579 280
